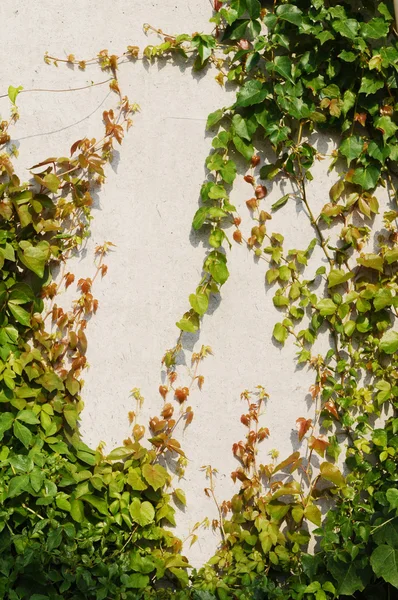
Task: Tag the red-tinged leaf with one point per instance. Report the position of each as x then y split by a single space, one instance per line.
318 444
287 462
331 408
303 425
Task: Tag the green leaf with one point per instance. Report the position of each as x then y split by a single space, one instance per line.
347 28
382 299
142 513
6 421
142 564
120 453
283 66
371 261
155 475
54 539
379 436
77 511
228 172
351 148
199 218
392 498
366 177
34 257
99 503
332 473
136 581
13 92
326 307
214 118
52 182
189 322
383 10
384 561
20 314
240 127
51 381
290 13
17 485
281 202
375 29
370 84
253 8
313 514
199 302
350 578
244 148
338 276
180 496
22 433
280 333
135 480
252 92
386 126
389 342
28 416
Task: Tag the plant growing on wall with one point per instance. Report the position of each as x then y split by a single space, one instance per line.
76 523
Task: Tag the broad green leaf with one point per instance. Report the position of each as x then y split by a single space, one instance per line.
383 10
135 480
136 581
214 118
384 561
382 299
6 421
350 577
370 84
375 29
326 307
392 497
180 495
228 172
366 177
332 473
244 148
99 503
338 276
371 261
34 257
54 539
51 381
142 513
351 148
389 342
199 218
22 433
281 202
252 92
240 127
20 314
283 66
313 514
290 13
27 416
379 436
189 322
120 453
141 564
52 182
13 92
253 8
386 126
17 485
77 510
155 475
347 28
280 333
199 302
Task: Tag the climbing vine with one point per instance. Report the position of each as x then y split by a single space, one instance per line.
78 524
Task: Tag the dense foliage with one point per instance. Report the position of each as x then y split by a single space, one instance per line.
77 524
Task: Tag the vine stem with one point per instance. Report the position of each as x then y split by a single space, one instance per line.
84 87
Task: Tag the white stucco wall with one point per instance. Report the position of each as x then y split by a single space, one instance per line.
146 209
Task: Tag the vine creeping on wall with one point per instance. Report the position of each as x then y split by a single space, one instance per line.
76 523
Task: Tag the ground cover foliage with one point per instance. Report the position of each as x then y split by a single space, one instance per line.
76 523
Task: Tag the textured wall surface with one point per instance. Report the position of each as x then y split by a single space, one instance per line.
146 209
